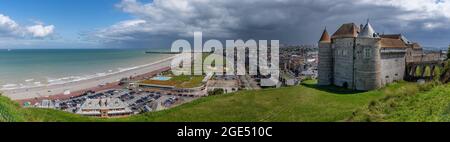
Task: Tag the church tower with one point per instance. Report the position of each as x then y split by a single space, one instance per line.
325 60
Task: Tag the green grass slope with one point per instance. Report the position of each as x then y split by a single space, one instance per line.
298 104
11 112
302 103
430 105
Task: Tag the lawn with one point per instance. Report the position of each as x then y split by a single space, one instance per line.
304 103
426 106
182 81
285 104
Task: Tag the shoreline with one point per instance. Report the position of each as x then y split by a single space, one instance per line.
76 88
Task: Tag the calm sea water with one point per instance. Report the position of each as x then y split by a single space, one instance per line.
28 68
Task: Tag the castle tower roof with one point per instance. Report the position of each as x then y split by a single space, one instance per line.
346 30
367 31
325 36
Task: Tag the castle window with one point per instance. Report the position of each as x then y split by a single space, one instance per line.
367 52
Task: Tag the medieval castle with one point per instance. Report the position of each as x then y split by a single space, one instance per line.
358 58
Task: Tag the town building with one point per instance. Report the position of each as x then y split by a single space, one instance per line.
227 83
105 108
49 104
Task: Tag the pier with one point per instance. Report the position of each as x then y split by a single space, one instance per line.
161 52
168 52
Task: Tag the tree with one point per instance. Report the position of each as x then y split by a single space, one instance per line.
427 71
418 72
437 73
448 52
216 92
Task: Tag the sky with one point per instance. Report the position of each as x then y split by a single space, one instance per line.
157 23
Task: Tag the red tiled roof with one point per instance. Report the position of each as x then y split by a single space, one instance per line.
347 30
392 43
393 36
325 37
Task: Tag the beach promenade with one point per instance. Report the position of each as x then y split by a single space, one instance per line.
104 82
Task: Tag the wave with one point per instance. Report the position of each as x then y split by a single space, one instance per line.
30 83
9 85
70 79
20 86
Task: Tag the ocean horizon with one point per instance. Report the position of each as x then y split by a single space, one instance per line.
26 68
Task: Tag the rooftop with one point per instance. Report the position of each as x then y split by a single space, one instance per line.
392 43
347 30
106 103
367 31
223 83
351 30
396 36
325 37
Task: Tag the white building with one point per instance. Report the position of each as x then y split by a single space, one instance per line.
108 107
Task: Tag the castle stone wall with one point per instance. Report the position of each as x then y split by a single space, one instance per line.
393 64
343 62
325 64
413 55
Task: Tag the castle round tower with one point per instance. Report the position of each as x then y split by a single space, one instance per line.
367 63
325 60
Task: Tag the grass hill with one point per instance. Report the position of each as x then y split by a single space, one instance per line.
306 102
430 105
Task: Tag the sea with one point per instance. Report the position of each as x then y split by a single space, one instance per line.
25 68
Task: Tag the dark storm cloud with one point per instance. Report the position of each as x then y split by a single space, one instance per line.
158 23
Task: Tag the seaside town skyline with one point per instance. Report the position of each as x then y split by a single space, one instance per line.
151 24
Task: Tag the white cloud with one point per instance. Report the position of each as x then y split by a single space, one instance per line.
40 31
11 29
5 21
416 9
122 29
431 25
171 17
7 25
130 23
